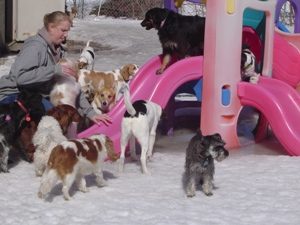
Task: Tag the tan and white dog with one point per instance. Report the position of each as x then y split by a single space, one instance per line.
139 122
104 100
124 75
74 159
94 83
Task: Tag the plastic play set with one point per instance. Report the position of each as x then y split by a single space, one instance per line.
223 93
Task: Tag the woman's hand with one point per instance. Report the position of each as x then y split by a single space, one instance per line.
102 118
68 70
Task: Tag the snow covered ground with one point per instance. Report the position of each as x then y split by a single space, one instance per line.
257 184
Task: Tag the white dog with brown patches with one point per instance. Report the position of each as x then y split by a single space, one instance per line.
139 122
72 160
66 88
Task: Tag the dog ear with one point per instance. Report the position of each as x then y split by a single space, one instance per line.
218 137
76 117
101 84
72 113
243 60
199 133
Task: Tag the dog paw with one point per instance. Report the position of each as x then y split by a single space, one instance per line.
149 158
38 173
254 79
146 172
4 170
67 198
191 194
84 189
40 195
101 183
208 194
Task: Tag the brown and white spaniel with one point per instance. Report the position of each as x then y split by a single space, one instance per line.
50 132
73 159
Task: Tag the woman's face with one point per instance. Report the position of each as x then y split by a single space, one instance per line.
59 32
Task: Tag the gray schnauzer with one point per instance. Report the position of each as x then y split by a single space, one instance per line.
199 162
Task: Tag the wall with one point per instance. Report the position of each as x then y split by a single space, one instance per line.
30 13
2 26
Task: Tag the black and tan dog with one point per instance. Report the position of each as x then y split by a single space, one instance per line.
180 35
199 163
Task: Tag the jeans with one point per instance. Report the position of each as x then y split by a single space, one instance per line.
11 98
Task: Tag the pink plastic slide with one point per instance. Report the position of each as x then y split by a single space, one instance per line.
286 58
280 104
277 98
292 38
149 86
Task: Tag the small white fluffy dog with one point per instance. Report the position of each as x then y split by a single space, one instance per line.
51 131
72 160
87 57
48 135
139 122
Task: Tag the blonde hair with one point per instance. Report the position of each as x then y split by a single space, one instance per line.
55 18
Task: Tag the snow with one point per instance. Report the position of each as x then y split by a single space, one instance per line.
257 184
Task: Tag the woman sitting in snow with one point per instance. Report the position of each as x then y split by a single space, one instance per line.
37 63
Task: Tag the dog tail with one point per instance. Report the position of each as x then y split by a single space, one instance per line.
48 181
129 107
88 43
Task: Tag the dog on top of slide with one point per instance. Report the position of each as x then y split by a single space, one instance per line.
180 36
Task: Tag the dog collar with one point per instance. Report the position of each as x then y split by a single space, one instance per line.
27 115
92 53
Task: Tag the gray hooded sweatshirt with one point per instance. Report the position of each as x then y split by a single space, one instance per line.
36 65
